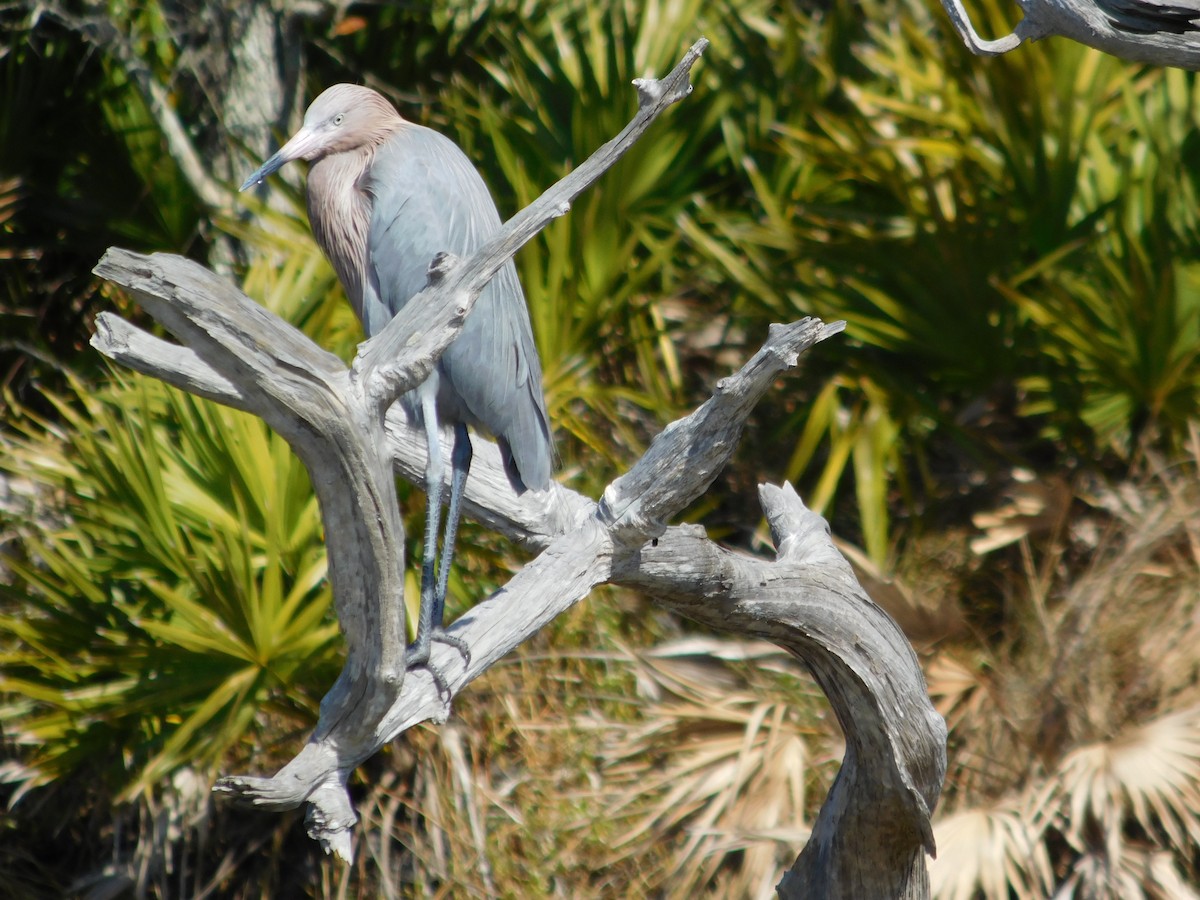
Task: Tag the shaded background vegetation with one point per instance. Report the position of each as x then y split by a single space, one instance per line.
1005 442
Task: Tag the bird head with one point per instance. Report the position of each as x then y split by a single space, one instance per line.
344 117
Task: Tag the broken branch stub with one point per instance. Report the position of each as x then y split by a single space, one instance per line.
806 600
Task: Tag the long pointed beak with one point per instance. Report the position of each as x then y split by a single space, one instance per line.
270 167
303 144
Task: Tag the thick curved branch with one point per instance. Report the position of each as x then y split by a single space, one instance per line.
873 831
874 828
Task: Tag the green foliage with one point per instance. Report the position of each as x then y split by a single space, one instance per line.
170 600
1117 314
83 167
171 595
1000 238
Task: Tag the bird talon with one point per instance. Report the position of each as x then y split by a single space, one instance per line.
418 658
439 680
454 641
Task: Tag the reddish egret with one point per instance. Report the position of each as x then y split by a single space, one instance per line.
384 197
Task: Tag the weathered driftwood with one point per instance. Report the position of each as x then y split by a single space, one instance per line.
873 831
1162 32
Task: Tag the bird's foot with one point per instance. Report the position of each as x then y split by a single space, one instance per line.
418 656
444 637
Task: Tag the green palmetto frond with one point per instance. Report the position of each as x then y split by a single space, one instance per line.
182 592
1128 331
851 420
904 189
168 597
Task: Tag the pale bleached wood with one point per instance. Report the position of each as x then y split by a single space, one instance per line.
679 465
310 398
873 831
1160 32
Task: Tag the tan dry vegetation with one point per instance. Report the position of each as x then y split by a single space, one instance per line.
697 774
694 767
1075 744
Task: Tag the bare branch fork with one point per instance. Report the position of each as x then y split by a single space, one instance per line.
874 828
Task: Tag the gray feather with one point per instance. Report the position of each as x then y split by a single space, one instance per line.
1151 16
428 198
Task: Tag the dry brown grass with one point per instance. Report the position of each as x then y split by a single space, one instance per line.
1075 737
687 769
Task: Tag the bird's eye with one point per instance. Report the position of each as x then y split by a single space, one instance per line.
337 120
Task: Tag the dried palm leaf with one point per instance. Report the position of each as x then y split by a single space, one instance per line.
958 688
715 766
1150 773
995 852
1138 875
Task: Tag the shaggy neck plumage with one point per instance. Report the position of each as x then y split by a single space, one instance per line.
339 209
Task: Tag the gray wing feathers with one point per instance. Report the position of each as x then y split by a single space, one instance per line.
1152 16
428 198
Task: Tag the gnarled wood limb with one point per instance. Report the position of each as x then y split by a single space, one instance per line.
240 354
873 831
1160 32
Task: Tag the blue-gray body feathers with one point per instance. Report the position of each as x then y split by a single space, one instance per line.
384 198
426 197
1152 16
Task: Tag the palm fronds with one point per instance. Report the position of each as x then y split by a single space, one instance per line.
994 852
1062 780
721 769
216 601
166 589
1147 776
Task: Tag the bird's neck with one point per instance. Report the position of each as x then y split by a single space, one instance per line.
339 211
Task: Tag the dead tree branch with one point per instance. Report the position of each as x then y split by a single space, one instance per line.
1149 31
873 831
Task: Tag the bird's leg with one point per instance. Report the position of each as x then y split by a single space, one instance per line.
418 652
460 465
